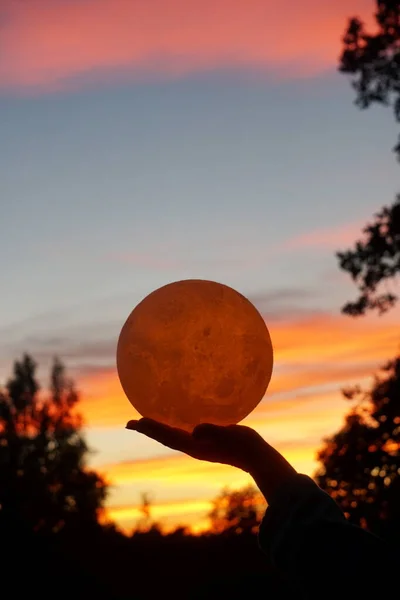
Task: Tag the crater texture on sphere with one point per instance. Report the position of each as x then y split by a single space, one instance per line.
194 352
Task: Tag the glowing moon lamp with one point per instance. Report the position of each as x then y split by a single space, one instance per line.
194 352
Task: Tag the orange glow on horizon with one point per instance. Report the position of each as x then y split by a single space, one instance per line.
163 510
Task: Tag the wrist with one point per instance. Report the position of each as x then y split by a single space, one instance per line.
270 472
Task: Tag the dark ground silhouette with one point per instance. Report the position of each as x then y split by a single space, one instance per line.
54 544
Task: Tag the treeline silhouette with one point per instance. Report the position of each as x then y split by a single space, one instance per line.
51 506
55 541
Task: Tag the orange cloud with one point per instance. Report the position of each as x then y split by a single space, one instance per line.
334 338
48 43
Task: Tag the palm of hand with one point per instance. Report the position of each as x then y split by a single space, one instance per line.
234 445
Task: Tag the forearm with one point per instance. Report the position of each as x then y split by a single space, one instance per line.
271 471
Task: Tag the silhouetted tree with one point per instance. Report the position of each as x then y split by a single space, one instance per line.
237 511
360 465
373 62
144 522
44 483
373 59
375 259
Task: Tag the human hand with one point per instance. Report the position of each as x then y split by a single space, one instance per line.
234 445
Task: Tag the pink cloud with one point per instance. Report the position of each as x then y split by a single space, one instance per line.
335 238
47 43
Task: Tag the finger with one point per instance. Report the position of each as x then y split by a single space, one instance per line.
173 438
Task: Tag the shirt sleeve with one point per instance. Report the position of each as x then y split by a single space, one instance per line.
308 539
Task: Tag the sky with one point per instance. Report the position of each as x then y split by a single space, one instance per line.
147 142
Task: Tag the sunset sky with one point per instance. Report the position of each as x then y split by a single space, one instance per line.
146 142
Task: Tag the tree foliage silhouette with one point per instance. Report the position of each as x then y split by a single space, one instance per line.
237 511
374 259
44 484
373 62
360 465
